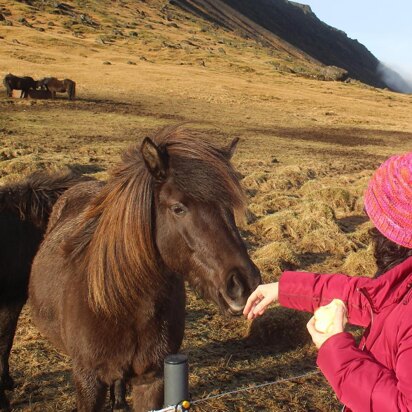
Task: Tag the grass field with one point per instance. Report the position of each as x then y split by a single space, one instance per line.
307 151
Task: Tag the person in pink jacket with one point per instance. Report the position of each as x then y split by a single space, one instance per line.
375 376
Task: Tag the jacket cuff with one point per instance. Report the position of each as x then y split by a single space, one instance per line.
334 354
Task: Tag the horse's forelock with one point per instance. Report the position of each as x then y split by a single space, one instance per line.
200 169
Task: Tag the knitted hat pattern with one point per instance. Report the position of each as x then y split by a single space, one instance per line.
388 199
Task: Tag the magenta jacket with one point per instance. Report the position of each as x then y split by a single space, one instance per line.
377 375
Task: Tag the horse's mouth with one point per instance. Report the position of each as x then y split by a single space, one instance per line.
229 306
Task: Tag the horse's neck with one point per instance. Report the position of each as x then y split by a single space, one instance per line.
164 305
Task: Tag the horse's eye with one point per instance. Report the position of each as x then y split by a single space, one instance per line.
178 209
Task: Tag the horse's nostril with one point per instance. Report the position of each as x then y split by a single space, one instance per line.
235 287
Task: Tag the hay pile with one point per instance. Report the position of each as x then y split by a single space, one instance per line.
309 218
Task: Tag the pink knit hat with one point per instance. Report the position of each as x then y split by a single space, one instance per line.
388 199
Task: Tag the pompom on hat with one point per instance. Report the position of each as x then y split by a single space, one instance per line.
388 199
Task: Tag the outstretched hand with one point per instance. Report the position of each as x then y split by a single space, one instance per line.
260 299
338 326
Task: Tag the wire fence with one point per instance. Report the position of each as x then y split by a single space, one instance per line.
240 390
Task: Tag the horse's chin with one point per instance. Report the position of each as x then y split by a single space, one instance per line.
228 306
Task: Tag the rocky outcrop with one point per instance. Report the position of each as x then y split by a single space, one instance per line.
333 73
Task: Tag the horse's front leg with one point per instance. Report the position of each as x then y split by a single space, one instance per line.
118 396
90 391
9 314
147 392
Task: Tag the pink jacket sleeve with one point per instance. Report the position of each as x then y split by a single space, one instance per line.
307 291
363 384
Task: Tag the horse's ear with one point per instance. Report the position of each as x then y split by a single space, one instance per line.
155 160
231 149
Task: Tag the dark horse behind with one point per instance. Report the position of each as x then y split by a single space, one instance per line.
54 86
12 82
24 212
107 285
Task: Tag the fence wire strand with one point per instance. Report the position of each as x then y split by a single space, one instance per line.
235 391
258 386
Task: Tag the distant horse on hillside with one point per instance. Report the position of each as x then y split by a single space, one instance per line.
24 211
54 86
24 84
107 285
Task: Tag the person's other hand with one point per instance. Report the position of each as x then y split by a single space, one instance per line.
260 299
338 326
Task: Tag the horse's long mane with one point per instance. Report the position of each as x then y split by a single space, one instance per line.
115 241
33 198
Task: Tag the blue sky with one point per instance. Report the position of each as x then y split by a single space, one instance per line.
384 27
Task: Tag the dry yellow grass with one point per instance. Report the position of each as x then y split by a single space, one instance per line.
307 151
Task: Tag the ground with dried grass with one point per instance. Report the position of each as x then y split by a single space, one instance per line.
307 151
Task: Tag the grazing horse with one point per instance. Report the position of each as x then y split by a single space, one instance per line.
12 82
107 285
39 94
54 86
24 211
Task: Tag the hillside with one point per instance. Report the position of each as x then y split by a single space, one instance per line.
292 27
287 33
154 31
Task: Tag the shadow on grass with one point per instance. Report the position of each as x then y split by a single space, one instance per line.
235 378
350 224
104 101
308 259
277 347
279 330
335 136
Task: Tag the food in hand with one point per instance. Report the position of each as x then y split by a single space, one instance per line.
325 315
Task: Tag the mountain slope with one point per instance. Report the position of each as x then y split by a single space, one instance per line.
263 36
292 27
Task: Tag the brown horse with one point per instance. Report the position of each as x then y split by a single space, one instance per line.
107 285
24 211
54 86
